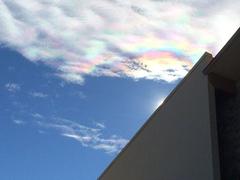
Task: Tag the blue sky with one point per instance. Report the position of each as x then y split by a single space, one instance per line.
37 108
79 78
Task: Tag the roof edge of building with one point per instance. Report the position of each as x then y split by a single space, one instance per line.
227 46
205 56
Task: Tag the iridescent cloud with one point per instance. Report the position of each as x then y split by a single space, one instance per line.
157 40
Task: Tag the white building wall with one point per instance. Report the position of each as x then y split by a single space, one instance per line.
176 142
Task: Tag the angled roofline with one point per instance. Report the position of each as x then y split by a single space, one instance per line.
227 46
202 58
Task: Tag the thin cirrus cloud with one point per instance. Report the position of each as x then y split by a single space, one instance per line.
38 94
91 137
12 87
18 122
157 40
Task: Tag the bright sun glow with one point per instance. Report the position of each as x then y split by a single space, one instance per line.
158 103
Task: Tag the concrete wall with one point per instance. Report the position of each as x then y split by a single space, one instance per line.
175 144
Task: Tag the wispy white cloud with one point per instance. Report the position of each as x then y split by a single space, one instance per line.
79 94
157 40
19 122
91 137
12 87
100 125
38 94
37 115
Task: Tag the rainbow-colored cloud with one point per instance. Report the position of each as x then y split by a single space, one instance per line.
158 40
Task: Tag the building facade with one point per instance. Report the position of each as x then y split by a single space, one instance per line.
195 133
